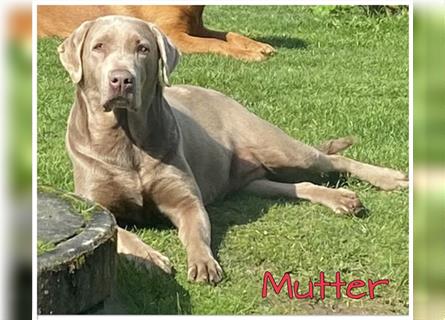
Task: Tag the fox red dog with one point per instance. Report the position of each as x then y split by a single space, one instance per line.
182 24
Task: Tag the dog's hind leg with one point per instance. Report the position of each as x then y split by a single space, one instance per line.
313 161
287 159
383 178
339 200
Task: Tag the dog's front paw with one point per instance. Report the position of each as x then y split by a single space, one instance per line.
204 269
249 55
245 43
159 260
148 258
137 251
265 48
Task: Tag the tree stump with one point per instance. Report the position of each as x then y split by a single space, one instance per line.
76 253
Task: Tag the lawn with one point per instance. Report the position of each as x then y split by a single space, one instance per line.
335 74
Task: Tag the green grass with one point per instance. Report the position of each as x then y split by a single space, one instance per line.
79 205
44 247
334 75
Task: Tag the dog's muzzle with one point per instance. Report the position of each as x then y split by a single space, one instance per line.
120 90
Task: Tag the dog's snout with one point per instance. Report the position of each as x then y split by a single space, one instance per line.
121 80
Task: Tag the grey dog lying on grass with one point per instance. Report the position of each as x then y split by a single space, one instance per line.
139 145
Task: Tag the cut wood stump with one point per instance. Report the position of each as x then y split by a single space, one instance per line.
76 253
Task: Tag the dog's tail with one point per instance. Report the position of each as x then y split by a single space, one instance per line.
334 146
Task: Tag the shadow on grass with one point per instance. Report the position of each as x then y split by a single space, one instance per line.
239 209
243 208
150 292
283 42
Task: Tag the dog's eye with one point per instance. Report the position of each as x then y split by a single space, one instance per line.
98 46
143 48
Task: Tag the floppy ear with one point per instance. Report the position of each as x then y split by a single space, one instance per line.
70 51
168 55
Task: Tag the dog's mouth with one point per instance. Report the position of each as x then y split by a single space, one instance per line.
120 102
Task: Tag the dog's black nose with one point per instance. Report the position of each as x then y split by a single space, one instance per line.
121 81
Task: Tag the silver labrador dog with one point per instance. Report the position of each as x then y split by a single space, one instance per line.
138 144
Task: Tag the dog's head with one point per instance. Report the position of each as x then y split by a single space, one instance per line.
119 60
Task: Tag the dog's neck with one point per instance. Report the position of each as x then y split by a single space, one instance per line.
153 128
